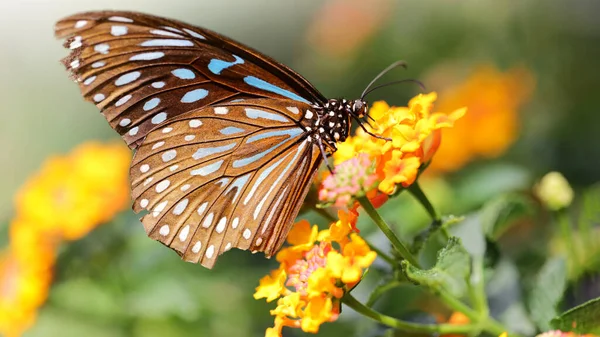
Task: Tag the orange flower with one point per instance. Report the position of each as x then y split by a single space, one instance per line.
491 126
415 133
314 274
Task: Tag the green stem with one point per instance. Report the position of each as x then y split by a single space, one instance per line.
417 192
480 321
395 323
477 286
398 245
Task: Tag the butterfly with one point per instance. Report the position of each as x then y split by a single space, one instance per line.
226 139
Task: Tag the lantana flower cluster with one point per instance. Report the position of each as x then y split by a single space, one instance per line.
65 200
415 133
314 273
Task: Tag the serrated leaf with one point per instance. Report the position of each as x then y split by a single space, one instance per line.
502 212
547 291
582 319
450 273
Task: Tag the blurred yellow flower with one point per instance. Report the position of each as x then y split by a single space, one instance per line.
66 199
554 191
72 194
491 126
314 273
415 134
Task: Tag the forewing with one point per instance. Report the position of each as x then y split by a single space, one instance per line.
143 70
225 176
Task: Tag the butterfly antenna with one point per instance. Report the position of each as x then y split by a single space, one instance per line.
408 80
383 72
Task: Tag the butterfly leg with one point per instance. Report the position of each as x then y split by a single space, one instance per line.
324 154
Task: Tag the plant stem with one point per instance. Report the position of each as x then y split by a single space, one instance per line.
398 245
477 286
353 303
417 192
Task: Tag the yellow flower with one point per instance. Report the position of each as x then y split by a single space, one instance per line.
399 170
67 198
415 136
317 312
73 194
349 266
271 286
491 126
309 286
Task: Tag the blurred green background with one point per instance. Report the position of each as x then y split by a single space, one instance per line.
116 282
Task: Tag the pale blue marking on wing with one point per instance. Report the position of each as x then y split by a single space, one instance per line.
194 95
151 104
281 175
238 184
264 174
207 151
167 43
264 85
230 130
289 132
256 113
216 66
184 74
248 160
208 169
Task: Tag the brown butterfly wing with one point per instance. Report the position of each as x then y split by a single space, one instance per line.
143 70
225 176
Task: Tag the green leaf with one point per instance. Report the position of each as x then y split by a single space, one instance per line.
382 289
499 214
547 292
581 319
450 272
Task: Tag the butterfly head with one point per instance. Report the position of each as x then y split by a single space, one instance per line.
358 108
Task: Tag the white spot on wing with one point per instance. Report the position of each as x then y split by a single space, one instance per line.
162 186
169 155
134 131
189 137
159 208
157 145
80 24
151 104
118 30
247 233
102 48
235 223
202 208
194 123
144 168
119 19
293 110
164 230
164 33
207 151
89 80
158 85
184 233
98 64
180 207
221 110
147 56
221 225
210 251
208 220
196 248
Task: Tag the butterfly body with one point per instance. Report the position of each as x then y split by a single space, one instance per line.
227 140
